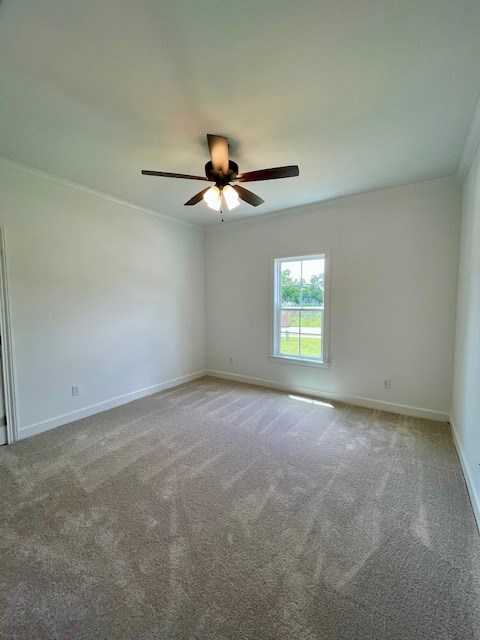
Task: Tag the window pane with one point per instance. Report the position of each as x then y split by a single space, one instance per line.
289 332
311 334
310 345
289 320
313 279
311 268
291 293
289 343
294 269
311 322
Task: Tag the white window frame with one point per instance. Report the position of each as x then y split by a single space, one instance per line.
278 357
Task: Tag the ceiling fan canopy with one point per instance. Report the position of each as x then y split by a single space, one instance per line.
222 172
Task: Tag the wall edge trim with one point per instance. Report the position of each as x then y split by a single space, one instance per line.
467 474
369 403
472 142
105 405
31 172
337 202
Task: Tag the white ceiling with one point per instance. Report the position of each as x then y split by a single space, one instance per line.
361 94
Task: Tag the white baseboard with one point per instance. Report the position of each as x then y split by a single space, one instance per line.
467 474
85 412
369 403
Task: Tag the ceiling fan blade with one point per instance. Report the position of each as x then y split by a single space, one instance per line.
165 174
196 198
269 174
248 196
218 147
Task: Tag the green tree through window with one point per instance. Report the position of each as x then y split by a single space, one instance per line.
294 291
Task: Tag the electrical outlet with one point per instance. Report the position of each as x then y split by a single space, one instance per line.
230 360
387 383
76 390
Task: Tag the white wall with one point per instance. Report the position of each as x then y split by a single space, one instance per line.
393 292
101 296
466 382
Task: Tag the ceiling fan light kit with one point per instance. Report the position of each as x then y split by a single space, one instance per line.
222 171
213 198
231 197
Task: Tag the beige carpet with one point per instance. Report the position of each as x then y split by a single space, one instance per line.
218 510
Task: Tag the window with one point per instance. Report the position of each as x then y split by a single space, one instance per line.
301 291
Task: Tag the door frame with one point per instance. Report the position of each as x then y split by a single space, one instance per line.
7 352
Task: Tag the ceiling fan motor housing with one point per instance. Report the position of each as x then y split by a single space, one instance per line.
218 177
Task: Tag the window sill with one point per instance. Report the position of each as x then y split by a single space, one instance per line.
304 362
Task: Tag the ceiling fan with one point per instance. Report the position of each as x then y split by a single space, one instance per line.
222 171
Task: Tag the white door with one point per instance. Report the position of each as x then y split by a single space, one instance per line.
3 419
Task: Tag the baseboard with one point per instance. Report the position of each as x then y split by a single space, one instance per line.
86 412
369 403
474 497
